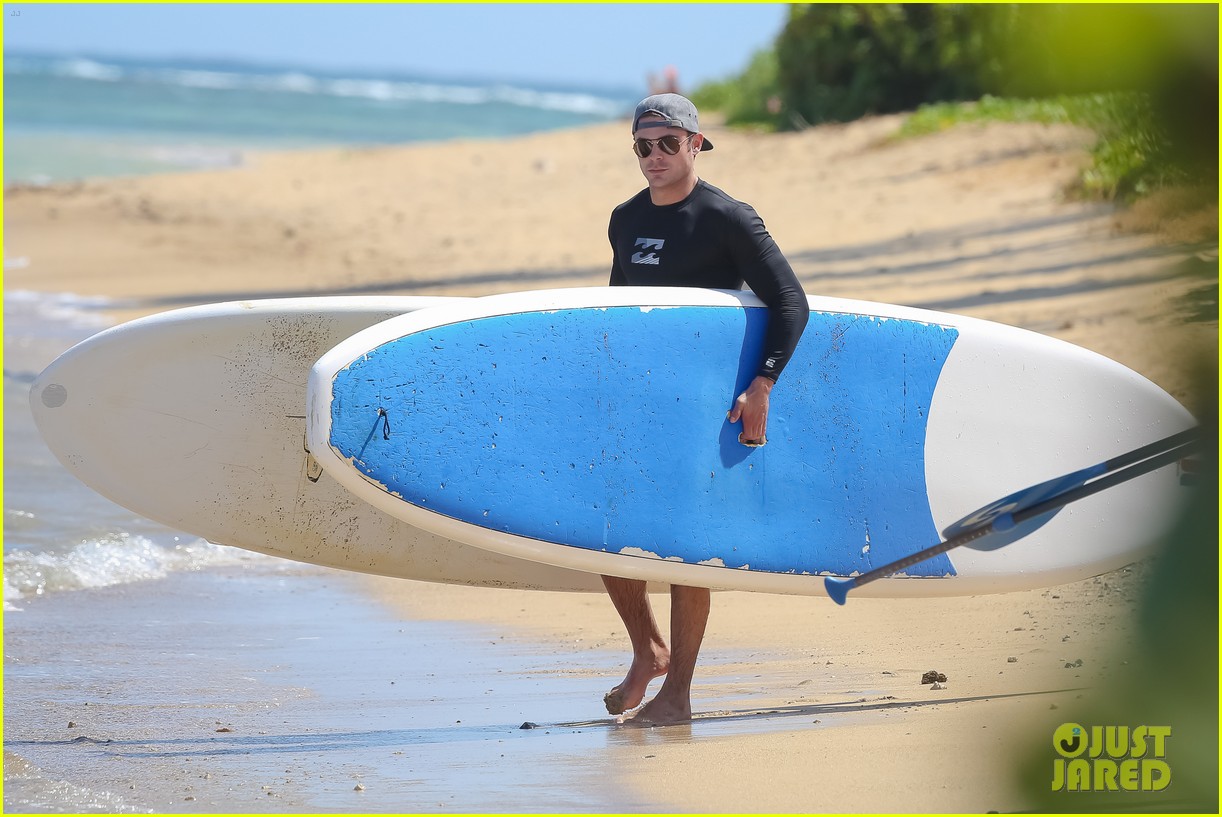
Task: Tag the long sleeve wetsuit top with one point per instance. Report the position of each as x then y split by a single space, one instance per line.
710 240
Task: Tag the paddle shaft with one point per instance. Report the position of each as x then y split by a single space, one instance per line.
1188 436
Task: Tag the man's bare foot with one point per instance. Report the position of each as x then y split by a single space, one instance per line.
629 693
662 712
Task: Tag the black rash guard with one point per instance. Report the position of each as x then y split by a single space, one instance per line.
710 240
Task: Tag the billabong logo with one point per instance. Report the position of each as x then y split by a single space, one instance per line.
647 244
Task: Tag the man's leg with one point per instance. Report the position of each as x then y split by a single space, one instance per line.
650 657
689 613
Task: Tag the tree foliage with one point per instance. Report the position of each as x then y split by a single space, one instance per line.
1143 76
748 98
838 62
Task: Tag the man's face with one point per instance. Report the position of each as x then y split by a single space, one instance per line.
660 169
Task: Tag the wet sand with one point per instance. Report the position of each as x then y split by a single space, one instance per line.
273 688
801 706
277 687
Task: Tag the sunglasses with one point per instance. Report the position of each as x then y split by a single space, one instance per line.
670 145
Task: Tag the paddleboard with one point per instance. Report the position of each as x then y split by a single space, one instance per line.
195 418
587 429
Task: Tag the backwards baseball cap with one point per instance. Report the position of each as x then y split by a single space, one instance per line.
676 112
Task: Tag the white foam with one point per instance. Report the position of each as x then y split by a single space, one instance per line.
379 89
87 69
119 558
78 310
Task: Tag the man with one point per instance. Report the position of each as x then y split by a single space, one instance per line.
682 231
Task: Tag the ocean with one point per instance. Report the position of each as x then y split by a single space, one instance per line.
129 646
71 117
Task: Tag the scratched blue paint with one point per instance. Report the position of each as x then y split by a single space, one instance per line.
605 429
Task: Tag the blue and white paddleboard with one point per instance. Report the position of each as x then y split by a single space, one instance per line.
587 429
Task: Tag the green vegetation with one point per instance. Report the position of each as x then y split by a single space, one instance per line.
840 61
938 117
1131 159
745 99
1142 76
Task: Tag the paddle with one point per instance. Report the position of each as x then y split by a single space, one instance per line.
1012 517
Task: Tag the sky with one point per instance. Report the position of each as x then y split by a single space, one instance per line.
608 45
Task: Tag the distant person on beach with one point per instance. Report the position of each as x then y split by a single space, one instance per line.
668 83
682 231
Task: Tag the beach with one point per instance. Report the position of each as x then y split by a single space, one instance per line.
223 689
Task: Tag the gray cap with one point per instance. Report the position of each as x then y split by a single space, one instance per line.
676 112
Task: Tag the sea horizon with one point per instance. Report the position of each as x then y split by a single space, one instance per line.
75 116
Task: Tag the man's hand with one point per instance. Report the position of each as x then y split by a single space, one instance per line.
752 408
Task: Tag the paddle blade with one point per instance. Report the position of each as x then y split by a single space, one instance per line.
838 589
999 514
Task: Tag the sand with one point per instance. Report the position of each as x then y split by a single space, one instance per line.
801 706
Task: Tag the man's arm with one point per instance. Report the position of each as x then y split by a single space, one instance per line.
767 272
